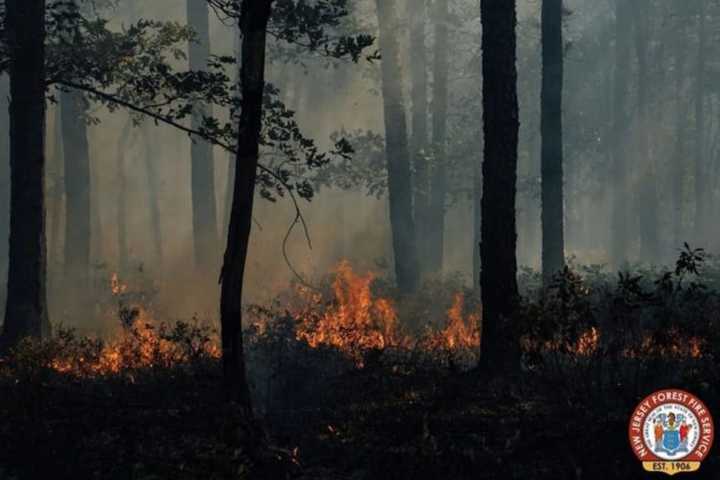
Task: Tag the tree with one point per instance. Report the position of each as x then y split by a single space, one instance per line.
438 187
204 210
396 152
76 157
254 19
498 277
647 201
151 154
76 154
26 311
553 239
618 242
677 171
701 180
417 12
4 178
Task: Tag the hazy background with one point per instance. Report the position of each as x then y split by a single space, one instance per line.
330 96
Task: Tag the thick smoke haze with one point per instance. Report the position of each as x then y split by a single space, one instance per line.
331 96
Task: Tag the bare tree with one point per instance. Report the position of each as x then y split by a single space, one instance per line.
553 212
26 311
396 151
438 187
253 24
417 12
498 278
204 210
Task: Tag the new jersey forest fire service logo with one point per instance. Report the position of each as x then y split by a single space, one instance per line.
671 431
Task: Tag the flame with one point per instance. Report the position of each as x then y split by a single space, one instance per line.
355 321
460 333
352 321
142 343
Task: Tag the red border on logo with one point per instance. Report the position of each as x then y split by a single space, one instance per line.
671 395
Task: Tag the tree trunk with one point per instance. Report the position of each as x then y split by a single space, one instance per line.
77 188
700 161
477 219
678 171
646 212
438 187
618 244
56 197
4 180
253 24
151 158
396 152
26 311
204 215
553 239
121 175
498 278
417 12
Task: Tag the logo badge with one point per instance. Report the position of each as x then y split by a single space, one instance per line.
671 431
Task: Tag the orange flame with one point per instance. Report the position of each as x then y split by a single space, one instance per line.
355 321
460 333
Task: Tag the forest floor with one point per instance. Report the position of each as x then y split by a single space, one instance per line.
372 423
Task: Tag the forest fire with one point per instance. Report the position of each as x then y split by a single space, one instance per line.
142 343
461 332
356 321
353 321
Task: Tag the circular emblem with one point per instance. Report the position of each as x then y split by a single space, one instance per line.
671 431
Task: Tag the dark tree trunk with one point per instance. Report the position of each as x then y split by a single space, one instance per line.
553 238
477 219
204 214
438 187
618 244
396 152
417 12
498 278
253 24
77 187
646 212
4 180
700 160
26 311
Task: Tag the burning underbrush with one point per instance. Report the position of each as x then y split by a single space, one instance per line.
361 382
352 317
137 342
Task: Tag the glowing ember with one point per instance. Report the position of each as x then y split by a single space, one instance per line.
588 342
674 345
116 287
